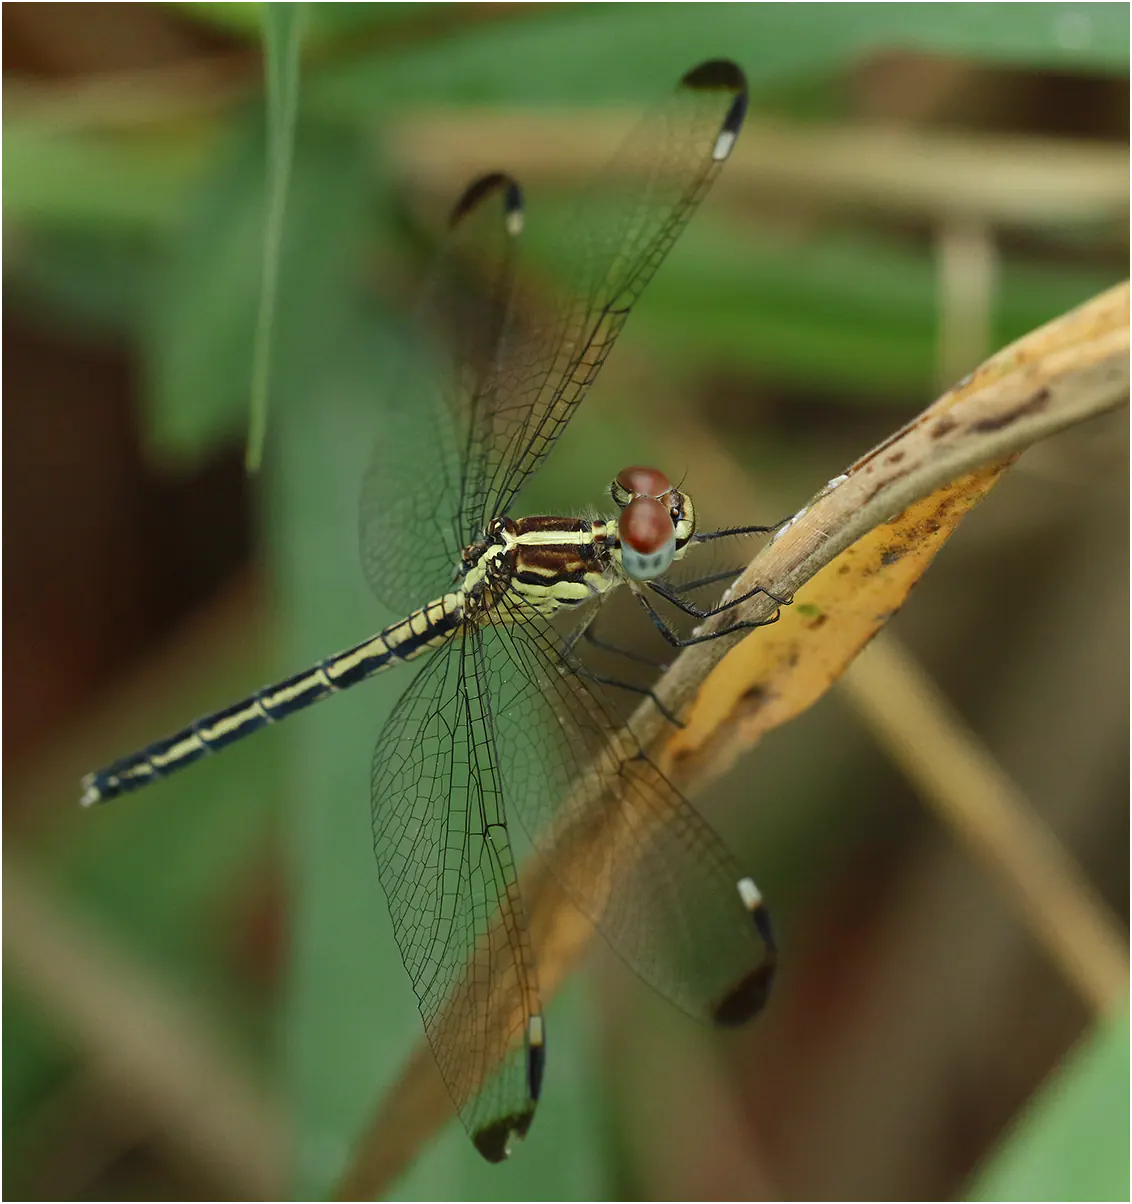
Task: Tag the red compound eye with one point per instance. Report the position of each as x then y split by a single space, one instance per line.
649 482
645 524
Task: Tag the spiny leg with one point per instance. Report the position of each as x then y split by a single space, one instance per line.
673 593
646 691
677 641
697 612
724 532
629 655
686 587
585 631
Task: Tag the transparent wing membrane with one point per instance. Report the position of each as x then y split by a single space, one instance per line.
446 866
497 723
622 228
411 524
503 365
633 855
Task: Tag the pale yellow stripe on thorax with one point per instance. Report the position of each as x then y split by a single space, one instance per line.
532 539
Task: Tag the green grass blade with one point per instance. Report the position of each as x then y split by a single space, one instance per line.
1071 1143
282 25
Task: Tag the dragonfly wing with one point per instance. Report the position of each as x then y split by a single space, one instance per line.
446 865
632 854
411 528
502 367
623 226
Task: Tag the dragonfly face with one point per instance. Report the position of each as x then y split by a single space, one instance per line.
656 524
503 723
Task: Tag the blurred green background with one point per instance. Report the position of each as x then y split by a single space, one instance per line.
202 996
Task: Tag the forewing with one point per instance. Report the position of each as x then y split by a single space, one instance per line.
500 369
629 850
446 865
411 527
622 228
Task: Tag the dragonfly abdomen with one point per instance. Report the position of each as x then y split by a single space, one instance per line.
404 640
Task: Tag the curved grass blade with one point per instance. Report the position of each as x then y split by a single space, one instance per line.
282 29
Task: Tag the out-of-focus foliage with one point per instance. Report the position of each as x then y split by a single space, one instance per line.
144 229
1071 1143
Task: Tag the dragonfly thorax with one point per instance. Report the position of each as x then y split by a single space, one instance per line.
545 563
487 567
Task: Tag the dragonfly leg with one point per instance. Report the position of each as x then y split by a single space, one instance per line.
677 641
697 612
585 631
605 646
724 532
686 587
633 688
571 641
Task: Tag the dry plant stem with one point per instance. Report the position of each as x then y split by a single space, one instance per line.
970 792
145 96
968 270
1063 373
1066 372
153 1053
1003 182
70 1140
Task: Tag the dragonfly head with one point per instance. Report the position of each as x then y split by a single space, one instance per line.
657 521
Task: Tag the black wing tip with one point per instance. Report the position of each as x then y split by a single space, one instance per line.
722 75
717 75
536 1056
484 187
749 997
494 1141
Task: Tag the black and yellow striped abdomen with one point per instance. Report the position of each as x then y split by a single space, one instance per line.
426 628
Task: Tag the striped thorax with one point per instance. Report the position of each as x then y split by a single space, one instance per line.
546 563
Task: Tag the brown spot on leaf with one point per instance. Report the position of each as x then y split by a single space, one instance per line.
943 427
882 485
895 458
1032 405
754 697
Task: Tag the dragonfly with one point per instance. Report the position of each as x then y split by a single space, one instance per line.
504 719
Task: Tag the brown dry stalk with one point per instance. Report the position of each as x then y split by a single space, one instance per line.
157 1056
956 774
849 559
1003 181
